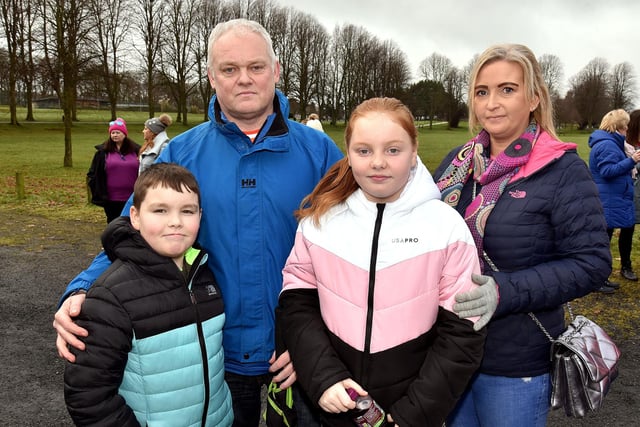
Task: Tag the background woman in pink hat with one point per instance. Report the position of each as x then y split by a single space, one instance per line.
114 170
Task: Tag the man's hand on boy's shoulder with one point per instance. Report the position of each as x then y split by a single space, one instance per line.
66 328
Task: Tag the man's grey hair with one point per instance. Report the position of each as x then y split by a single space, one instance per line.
239 26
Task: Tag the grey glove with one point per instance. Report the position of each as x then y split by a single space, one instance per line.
481 301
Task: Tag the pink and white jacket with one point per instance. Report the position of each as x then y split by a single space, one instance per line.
368 295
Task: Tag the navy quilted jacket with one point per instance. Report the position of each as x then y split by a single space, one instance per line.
547 236
611 170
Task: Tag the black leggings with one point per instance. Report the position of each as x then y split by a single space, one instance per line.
112 209
625 241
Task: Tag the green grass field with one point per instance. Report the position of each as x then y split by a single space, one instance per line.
36 149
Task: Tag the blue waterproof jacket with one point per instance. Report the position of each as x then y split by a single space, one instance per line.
611 170
249 193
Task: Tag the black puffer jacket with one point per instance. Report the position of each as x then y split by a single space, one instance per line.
132 313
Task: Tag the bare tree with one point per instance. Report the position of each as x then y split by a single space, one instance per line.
552 72
351 48
4 65
64 34
358 66
109 33
392 74
590 92
280 28
435 67
238 8
12 11
209 14
334 76
178 62
622 89
566 112
308 37
466 70
454 87
260 11
27 69
17 19
322 96
149 26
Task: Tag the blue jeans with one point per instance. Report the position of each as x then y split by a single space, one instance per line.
492 401
246 399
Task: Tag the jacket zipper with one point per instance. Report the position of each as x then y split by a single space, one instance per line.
370 295
203 345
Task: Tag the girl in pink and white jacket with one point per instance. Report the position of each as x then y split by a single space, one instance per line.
370 284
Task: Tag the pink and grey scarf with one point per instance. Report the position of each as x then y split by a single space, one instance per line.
492 174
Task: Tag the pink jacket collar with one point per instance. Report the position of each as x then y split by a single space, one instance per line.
545 150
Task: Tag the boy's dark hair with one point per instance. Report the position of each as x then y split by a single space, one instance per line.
167 175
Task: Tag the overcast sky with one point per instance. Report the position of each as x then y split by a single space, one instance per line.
576 31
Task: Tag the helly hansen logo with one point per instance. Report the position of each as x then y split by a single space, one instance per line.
405 240
248 183
518 194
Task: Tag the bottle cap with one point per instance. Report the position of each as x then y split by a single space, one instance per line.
352 394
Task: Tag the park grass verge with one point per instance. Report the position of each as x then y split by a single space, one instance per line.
56 209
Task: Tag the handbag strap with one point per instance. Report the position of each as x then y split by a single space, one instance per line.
533 316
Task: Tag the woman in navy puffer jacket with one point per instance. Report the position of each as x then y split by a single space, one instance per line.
533 210
611 169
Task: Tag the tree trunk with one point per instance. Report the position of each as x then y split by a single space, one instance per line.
150 104
29 87
67 108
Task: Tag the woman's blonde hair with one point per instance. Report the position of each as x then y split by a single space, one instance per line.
615 120
534 84
338 183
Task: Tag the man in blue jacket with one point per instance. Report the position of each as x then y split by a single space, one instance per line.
254 167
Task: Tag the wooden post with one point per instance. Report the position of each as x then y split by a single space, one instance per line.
20 186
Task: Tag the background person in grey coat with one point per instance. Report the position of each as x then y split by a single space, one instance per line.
155 139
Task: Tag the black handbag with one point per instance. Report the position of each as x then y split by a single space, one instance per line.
584 363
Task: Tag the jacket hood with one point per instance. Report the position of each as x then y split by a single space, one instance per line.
121 241
600 135
419 189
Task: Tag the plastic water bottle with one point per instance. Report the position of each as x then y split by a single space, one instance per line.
367 413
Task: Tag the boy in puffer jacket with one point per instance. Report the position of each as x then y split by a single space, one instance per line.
153 355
